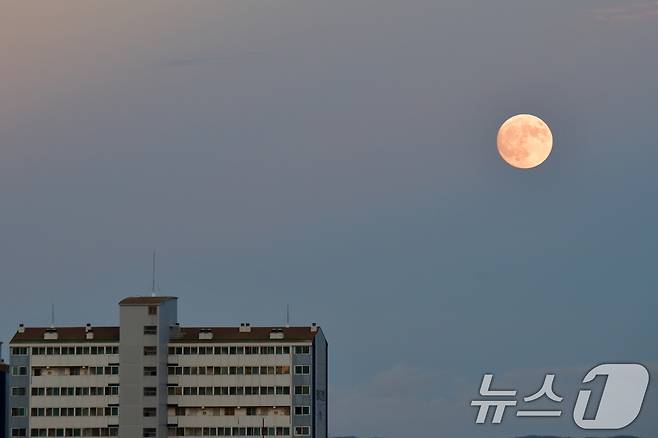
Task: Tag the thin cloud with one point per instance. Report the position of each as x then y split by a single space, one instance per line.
628 11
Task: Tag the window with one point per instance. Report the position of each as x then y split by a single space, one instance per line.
18 432
302 369
153 310
19 351
112 390
150 391
282 350
283 390
302 390
19 371
284 369
149 431
17 412
18 392
150 351
267 390
150 371
150 329
302 431
303 349
252 411
302 410
150 412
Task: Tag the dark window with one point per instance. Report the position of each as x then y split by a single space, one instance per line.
150 391
18 391
150 371
150 412
302 390
302 369
17 412
150 329
153 310
150 351
22 371
302 431
303 349
302 410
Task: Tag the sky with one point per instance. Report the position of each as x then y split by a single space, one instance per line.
340 156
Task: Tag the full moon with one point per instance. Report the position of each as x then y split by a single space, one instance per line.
524 141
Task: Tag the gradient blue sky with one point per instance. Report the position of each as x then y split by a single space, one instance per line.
340 156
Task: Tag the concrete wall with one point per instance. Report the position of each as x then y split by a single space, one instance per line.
320 386
23 401
302 380
132 380
4 402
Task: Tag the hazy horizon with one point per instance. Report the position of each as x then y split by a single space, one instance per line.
341 157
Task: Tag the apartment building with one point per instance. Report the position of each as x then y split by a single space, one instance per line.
3 396
152 377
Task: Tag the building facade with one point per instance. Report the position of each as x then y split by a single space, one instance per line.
152 377
3 397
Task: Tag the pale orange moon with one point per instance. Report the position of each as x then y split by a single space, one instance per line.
524 141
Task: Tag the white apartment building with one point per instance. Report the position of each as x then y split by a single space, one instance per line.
151 377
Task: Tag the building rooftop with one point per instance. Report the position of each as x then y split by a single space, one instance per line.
144 300
66 334
233 334
184 335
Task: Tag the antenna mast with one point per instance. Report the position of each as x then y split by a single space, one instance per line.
52 316
287 315
153 283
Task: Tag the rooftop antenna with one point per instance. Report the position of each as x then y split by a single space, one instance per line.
153 283
287 315
52 316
